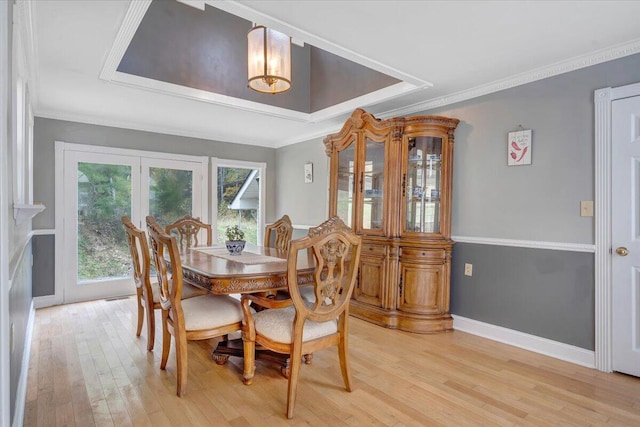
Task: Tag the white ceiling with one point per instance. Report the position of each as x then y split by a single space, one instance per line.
462 48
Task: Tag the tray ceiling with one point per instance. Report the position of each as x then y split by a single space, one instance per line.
434 53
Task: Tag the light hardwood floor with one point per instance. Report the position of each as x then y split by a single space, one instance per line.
88 368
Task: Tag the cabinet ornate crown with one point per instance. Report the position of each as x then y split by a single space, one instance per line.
391 180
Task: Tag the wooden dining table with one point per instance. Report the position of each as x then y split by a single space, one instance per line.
257 269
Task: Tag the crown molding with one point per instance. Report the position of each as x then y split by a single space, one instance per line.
137 9
601 56
576 63
143 127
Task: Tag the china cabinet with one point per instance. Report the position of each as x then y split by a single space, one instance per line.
390 180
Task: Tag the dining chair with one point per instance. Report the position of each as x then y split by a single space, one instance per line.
197 318
147 291
278 235
187 229
297 327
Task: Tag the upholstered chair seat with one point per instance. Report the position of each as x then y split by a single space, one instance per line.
199 312
277 325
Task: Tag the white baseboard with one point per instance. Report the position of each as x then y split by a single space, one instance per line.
545 346
46 301
21 392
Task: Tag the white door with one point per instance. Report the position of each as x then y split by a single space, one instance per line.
625 182
99 188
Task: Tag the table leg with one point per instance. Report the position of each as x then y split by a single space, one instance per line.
224 349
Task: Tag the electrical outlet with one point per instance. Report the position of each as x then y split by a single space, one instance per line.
468 269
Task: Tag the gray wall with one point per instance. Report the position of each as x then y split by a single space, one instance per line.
540 201
47 131
547 293
43 265
540 292
306 204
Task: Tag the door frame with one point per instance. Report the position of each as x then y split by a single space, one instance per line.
603 221
89 289
60 203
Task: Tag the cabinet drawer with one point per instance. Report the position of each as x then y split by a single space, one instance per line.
373 250
426 254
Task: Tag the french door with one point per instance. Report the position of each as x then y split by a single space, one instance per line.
99 188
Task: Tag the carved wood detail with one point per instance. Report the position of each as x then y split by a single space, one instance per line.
404 275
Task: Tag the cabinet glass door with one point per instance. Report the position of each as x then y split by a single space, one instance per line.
372 185
346 171
423 184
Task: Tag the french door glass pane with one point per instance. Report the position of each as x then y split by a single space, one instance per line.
170 194
104 195
238 201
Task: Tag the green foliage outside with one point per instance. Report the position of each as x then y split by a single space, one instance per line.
170 194
104 195
230 180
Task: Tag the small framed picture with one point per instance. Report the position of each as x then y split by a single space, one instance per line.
308 173
519 148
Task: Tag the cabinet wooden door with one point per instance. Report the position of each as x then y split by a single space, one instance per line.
421 289
343 181
372 183
372 275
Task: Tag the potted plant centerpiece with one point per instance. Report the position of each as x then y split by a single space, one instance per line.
235 240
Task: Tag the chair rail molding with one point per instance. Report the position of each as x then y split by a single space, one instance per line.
532 244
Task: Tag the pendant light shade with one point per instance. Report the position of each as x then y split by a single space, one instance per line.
269 60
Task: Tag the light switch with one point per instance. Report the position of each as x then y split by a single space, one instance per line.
586 208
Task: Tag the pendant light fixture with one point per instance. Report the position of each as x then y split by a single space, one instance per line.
269 60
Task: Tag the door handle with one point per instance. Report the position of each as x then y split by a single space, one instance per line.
622 251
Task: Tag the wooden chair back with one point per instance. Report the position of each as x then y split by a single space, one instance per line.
187 230
278 235
165 247
336 249
141 266
139 250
